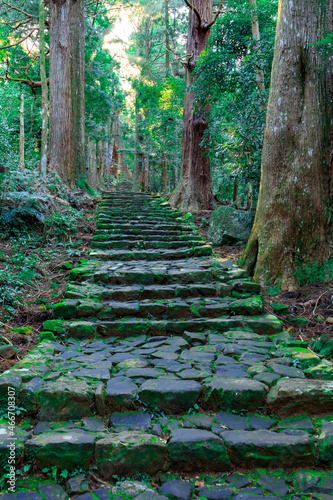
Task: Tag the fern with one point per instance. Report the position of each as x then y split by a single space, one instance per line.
21 216
324 347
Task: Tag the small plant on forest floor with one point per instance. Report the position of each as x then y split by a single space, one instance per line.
324 347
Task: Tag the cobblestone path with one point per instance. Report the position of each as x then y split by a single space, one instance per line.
161 375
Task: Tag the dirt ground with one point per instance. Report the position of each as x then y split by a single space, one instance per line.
46 288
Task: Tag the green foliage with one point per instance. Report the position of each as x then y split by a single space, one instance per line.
325 45
21 217
226 74
324 347
61 225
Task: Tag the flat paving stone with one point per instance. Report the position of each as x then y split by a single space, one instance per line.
268 449
172 396
128 452
178 489
234 394
64 450
196 449
136 421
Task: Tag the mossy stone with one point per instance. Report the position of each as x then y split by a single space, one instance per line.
127 453
55 325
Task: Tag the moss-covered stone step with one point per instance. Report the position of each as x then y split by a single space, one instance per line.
149 292
136 213
127 327
196 443
180 272
146 244
167 308
152 255
147 237
143 232
124 226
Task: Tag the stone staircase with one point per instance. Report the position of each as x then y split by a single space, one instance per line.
160 361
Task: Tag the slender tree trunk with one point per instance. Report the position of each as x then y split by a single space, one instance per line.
249 204
193 192
164 174
235 194
260 77
67 91
45 92
22 164
145 176
291 239
116 160
138 149
167 38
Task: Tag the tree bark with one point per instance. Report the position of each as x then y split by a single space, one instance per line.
193 192
291 242
145 174
22 138
260 77
116 159
45 92
164 173
167 38
67 91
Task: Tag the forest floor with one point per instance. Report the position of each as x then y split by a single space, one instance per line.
310 306
33 271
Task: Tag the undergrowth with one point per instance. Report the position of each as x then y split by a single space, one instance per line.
38 220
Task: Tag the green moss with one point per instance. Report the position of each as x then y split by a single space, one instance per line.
279 308
47 336
25 330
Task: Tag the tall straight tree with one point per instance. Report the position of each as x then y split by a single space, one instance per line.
193 192
292 235
67 145
45 92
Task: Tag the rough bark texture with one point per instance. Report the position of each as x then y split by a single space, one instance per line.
67 90
193 192
45 91
291 241
22 165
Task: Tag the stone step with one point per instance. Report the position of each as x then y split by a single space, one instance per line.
162 272
158 309
125 327
125 225
145 232
146 237
125 244
151 255
92 291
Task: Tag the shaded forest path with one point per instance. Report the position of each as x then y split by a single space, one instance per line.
160 360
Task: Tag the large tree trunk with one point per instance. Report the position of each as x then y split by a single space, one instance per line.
67 90
45 92
291 239
193 192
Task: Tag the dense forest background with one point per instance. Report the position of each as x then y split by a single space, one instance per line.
139 119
